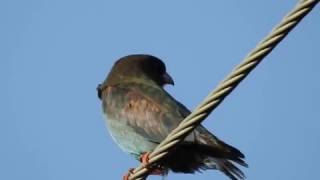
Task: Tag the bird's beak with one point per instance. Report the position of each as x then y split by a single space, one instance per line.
167 79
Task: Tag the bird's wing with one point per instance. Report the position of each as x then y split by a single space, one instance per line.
149 110
153 114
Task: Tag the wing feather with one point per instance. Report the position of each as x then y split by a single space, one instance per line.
150 111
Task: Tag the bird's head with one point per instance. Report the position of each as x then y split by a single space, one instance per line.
139 68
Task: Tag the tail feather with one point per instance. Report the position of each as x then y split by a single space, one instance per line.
225 166
224 160
233 152
240 162
229 169
205 153
191 157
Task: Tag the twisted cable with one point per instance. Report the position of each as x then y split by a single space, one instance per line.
226 86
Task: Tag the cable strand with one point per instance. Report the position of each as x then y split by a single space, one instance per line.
227 86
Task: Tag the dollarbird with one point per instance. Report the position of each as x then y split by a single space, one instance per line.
140 113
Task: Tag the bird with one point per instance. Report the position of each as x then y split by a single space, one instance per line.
140 113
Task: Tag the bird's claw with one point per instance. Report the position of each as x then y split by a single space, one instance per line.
126 176
155 169
144 159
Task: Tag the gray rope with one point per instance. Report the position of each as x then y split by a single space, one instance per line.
227 85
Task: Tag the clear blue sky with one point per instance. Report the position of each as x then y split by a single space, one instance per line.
54 53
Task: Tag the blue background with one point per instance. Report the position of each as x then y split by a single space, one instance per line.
54 53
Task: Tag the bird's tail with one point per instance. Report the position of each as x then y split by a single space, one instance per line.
220 155
225 166
190 157
207 152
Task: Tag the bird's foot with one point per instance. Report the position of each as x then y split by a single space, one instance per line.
126 176
144 159
154 169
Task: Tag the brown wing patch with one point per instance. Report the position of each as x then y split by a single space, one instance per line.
152 116
145 115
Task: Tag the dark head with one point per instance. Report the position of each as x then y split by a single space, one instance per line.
139 68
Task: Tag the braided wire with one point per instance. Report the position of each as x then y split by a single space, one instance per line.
226 86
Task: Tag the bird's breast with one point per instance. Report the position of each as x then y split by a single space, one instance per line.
127 138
